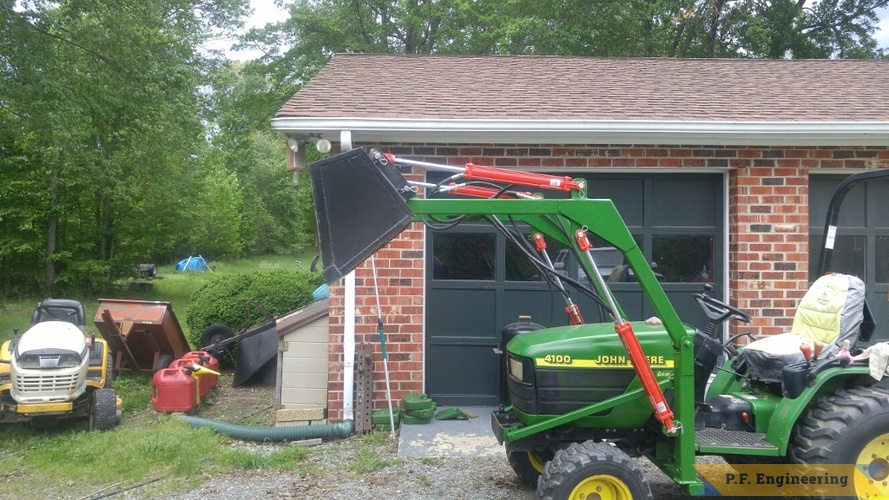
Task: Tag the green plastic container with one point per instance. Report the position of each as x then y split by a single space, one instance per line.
413 402
411 420
381 417
422 414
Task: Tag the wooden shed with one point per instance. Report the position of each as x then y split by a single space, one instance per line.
301 388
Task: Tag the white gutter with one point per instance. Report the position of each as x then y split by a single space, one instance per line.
345 139
752 133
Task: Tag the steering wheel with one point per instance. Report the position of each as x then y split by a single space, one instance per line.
717 310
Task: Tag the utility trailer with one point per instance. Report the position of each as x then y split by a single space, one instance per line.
143 335
572 421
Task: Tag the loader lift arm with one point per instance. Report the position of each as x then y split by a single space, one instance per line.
351 185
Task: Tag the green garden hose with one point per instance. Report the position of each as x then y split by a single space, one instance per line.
275 434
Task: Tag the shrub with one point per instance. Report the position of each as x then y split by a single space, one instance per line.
233 299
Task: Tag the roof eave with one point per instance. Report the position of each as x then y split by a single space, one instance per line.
752 133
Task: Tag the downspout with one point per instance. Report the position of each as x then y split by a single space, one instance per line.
348 322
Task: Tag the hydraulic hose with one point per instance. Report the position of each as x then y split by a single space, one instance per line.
275 434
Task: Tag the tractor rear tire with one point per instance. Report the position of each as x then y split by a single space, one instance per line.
592 470
850 426
529 465
103 410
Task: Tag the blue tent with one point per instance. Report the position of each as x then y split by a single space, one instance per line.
193 263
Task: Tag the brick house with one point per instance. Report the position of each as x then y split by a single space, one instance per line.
722 168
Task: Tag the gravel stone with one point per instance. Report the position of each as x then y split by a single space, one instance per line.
332 471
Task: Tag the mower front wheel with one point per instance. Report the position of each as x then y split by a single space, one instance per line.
849 427
593 470
103 410
109 372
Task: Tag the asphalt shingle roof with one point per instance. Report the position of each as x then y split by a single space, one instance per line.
582 88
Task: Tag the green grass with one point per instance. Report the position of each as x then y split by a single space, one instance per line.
78 462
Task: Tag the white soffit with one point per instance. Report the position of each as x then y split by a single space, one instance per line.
590 132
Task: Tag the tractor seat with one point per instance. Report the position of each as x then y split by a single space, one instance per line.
831 312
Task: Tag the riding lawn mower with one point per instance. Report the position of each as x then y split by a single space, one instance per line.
55 370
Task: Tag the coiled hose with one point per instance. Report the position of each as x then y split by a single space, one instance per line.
275 434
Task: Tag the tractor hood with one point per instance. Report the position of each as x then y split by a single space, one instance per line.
592 346
52 335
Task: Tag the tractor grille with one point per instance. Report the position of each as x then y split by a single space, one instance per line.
45 383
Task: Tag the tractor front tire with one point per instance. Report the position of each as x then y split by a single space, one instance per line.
850 426
109 372
103 410
592 470
529 465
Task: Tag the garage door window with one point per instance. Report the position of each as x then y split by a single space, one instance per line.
848 254
882 259
464 256
683 258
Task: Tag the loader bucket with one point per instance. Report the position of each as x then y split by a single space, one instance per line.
358 209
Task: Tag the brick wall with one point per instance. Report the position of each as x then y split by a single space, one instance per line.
768 240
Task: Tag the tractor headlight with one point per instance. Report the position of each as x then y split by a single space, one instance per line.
517 368
48 359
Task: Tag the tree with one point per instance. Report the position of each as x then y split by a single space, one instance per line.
103 93
299 46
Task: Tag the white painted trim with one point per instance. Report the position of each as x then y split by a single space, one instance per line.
726 236
758 133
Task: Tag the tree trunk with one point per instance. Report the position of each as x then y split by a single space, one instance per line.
52 224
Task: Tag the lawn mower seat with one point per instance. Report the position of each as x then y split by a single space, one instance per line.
831 311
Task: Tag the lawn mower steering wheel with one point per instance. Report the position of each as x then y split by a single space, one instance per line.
717 310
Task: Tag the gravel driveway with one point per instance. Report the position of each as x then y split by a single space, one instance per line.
328 476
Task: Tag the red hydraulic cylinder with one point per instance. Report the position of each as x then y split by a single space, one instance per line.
494 174
484 192
656 397
631 343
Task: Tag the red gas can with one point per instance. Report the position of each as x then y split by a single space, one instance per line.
172 389
207 360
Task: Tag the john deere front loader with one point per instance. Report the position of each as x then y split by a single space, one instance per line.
584 399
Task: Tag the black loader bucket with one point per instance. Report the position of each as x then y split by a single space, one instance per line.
360 204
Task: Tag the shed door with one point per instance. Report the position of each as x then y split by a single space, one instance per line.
477 282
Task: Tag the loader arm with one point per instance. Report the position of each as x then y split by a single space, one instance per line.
362 202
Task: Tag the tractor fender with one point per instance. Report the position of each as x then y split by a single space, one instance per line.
788 410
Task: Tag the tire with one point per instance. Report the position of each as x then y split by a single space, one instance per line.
103 410
529 465
592 470
216 333
109 372
849 427
162 362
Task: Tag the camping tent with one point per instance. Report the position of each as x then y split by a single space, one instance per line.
193 263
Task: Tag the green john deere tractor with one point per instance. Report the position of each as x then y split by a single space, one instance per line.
586 398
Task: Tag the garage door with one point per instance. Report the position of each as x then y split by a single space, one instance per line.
477 282
862 243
